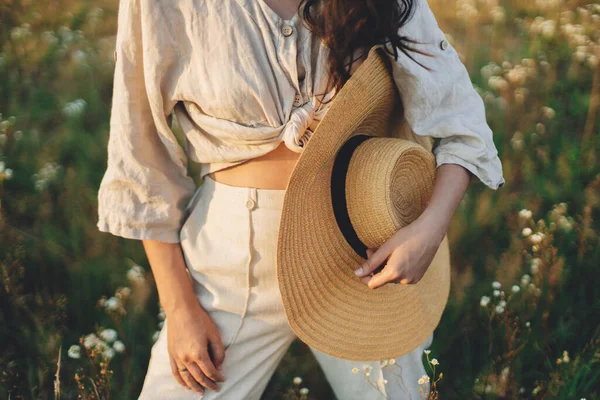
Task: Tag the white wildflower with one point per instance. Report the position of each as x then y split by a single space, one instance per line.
497 13
536 238
499 309
118 346
304 391
515 288
91 340
297 380
109 352
496 285
548 113
564 223
496 293
8 173
485 300
123 292
435 362
112 303
136 274
46 175
498 83
74 351
424 379
109 335
525 214
526 232
74 108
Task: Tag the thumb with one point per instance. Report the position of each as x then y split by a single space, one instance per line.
374 260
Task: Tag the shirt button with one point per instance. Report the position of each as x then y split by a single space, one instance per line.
286 30
297 100
250 203
444 44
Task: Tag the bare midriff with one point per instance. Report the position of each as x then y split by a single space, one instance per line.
269 171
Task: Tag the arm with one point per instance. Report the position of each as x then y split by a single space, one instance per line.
451 183
172 280
443 104
145 188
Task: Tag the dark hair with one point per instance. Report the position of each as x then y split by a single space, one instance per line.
346 26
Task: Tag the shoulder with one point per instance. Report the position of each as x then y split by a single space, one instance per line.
445 78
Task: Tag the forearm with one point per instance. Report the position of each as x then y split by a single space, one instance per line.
450 185
172 281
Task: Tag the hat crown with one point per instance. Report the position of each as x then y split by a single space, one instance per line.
388 184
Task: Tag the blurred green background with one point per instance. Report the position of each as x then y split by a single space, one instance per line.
523 317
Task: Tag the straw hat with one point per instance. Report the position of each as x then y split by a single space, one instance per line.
362 176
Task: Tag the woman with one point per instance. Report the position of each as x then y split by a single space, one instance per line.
248 81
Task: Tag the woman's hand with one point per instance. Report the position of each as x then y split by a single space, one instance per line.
409 253
195 343
411 249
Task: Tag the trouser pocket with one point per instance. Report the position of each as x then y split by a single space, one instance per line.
215 240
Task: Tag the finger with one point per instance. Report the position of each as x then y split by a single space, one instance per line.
381 278
209 368
198 376
190 379
176 373
217 352
370 252
374 261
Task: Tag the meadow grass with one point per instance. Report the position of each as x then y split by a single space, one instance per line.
79 310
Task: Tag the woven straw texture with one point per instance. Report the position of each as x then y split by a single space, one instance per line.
384 197
325 303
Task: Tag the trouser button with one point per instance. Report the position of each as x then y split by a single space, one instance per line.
250 203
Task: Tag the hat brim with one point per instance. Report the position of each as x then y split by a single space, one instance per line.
326 305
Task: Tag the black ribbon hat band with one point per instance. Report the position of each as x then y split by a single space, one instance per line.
338 193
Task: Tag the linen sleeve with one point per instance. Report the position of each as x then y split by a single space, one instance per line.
443 103
145 187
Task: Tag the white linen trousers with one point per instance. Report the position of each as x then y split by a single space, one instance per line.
229 241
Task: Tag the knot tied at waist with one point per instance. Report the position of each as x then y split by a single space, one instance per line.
297 132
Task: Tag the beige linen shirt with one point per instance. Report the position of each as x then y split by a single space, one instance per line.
241 80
